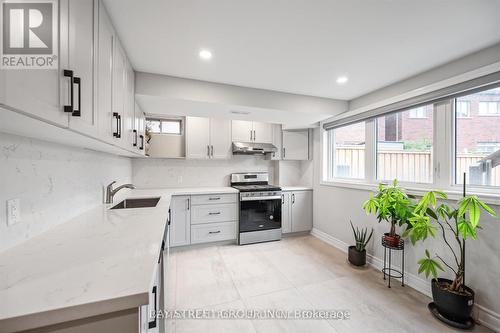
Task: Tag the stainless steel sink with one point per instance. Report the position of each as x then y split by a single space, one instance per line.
137 203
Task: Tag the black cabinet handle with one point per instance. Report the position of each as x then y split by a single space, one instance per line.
142 142
135 138
78 113
214 232
293 198
169 216
118 133
284 152
69 73
214 213
152 324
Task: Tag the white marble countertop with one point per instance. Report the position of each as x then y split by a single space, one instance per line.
296 188
98 262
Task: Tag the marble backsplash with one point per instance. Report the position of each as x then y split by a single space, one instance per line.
155 173
53 182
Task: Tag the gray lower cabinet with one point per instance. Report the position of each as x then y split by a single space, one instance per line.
180 224
203 218
296 211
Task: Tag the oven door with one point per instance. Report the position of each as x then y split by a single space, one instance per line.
260 213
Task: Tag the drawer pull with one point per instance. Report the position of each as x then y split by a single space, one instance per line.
214 213
214 198
214 232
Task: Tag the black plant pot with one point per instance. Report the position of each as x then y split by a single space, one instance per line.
451 305
356 257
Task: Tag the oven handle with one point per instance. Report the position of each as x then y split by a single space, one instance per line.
274 197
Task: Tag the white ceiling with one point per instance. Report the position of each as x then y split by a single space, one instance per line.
302 46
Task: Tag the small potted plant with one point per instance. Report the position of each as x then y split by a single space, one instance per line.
357 253
453 300
391 204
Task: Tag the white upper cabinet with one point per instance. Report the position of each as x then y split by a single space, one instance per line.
242 131
118 91
197 137
208 138
139 131
295 145
277 141
105 75
38 92
252 131
82 33
129 108
220 138
262 132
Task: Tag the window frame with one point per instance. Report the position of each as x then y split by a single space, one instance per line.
330 164
161 120
444 168
487 114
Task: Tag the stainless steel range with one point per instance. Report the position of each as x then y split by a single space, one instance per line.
260 207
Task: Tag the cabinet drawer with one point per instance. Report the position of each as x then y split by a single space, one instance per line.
214 213
213 199
213 232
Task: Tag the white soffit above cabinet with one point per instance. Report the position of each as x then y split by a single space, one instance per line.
302 46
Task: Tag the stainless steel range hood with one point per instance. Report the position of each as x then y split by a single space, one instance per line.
253 148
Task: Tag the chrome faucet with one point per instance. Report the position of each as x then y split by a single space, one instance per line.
110 192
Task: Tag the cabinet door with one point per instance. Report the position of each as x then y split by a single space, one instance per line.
286 223
105 76
277 141
220 138
295 145
129 108
301 210
197 137
41 93
262 132
81 61
180 224
242 130
118 95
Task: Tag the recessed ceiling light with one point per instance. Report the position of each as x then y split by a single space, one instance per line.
205 54
342 79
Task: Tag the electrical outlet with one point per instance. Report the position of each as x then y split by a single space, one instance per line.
13 211
179 180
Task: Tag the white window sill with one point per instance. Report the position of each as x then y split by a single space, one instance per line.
453 193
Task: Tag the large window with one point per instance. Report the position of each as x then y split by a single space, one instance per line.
347 152
164 126
404 146
477 145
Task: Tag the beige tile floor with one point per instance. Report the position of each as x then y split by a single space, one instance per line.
293 274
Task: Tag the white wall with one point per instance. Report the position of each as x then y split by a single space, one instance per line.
155 173
54 183
294 173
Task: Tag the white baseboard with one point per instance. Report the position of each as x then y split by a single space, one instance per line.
484 316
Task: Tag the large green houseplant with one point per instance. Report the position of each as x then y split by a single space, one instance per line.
391 203
452 298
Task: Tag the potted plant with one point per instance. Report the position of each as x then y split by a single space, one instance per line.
453 300
357 253
391 204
